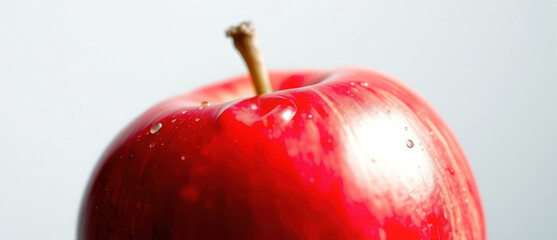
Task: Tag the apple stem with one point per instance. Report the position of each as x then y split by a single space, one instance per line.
247 44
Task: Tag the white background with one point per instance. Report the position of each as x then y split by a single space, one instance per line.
74 73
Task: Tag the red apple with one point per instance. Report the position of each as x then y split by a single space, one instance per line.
343 154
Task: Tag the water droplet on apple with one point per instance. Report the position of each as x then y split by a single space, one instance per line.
388 111
197 119
466 200
173 120
364 84
183 158
409 143
184 112
352 84
152 144
276 110
287 115
205 104
310 116
406 128
155 128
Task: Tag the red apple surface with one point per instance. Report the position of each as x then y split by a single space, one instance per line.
343 154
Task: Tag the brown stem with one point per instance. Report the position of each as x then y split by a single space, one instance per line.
247 44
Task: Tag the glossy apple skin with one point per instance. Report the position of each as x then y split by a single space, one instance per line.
344 154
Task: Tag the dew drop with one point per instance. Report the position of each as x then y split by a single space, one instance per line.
197 119
184 112
406 128
364 84
152 144
287 115
409 143
389 112
155 128
173 120
183 158
352 84
310 116
204 104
